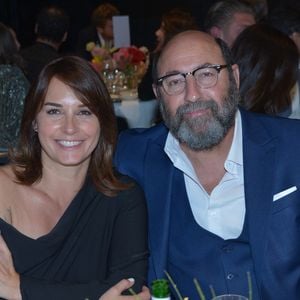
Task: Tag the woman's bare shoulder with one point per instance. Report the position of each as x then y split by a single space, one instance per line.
7 173
8 180
8 190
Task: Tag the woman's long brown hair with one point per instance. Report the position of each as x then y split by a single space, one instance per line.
90 89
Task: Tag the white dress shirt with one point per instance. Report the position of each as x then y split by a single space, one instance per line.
223 211
105 43
295 96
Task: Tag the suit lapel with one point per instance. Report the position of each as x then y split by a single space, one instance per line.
158 176
259 161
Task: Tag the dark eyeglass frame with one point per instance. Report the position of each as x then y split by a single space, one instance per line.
218 68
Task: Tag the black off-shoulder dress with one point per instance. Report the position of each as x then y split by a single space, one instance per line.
98 241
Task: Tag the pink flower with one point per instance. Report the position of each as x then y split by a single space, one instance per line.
128 57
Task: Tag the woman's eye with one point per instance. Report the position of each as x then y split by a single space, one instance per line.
53 111
85 112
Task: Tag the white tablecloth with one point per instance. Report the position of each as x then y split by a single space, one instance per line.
139 114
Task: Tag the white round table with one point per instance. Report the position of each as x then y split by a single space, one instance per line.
139 114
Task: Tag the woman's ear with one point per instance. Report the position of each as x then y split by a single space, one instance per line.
35 126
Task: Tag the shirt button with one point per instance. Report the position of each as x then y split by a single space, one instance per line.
230 276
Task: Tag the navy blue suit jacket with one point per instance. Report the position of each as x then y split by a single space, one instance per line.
271 148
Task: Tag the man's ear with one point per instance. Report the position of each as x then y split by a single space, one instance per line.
156 91
236 74
215 32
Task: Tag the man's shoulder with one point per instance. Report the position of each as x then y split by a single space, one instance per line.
157 133
278 127
274 120
39 51
133 144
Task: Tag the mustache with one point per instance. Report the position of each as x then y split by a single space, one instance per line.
199 104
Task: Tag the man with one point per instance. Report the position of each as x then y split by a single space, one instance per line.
101 30
221 183
51 30
227 19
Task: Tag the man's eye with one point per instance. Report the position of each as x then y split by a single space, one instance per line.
206 74
175 81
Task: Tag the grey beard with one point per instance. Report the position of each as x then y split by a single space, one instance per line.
204 132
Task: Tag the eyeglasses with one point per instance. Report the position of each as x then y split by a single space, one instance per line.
205 76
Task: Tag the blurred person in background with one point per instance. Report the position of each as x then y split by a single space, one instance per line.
51 31
268 64
260 8
99 32
226 19
173 21
288 22
13 88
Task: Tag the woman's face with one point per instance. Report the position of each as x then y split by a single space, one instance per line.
68 131
160 36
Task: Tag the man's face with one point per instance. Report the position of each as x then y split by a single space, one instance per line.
236 25
160 36
107 31
198 117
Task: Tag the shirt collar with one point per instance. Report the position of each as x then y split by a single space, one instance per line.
234 158
104 43
235 155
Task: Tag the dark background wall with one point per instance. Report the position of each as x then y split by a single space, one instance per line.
144 16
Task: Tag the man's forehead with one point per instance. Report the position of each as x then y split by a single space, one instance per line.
191 36
191 46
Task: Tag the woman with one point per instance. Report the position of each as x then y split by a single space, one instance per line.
13 88
172 22
74 227
268 64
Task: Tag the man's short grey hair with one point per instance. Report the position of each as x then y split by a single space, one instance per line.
222 12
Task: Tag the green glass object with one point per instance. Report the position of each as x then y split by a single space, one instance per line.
160 289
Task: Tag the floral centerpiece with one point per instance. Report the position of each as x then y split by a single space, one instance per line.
131 61
99 54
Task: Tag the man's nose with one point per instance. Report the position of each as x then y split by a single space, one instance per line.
192 91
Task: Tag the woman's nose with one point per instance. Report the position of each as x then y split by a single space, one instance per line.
70 124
